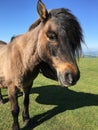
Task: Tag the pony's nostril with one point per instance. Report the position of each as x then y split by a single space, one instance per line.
69 77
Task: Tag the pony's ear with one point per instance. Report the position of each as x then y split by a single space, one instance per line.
42 11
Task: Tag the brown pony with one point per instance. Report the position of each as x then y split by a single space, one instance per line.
50 46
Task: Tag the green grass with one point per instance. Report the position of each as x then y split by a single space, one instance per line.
56 108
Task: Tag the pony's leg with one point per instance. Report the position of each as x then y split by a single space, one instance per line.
12 93
1 98
25 113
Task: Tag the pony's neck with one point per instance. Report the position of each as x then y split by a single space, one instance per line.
31 46
27 46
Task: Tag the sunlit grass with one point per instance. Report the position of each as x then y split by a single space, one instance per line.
56 108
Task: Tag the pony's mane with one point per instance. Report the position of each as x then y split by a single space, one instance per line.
12 38
72 27
35 24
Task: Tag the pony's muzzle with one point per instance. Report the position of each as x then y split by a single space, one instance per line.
71 78
68 78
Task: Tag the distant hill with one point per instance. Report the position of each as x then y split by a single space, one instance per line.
90 53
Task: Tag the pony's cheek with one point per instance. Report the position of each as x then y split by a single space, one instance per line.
42 45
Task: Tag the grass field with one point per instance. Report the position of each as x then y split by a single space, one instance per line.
56 108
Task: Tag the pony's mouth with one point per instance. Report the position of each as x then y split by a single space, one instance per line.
67 79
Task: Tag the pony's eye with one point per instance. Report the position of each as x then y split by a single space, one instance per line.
52 36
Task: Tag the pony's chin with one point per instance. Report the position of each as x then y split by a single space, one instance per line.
63 83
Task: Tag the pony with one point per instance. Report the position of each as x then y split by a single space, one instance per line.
51 46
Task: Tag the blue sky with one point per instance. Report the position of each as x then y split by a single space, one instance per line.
17 15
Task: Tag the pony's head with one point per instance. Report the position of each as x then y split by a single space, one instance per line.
59 42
